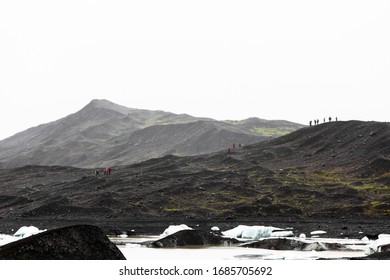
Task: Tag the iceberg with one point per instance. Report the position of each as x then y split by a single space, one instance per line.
256 232
27 231
23 232
375 246
317 232
5 239
175 228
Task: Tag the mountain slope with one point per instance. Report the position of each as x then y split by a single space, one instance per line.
290 177
104 133
354 147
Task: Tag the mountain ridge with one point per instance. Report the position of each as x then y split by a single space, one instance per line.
83 139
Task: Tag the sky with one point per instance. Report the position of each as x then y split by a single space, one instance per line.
295 60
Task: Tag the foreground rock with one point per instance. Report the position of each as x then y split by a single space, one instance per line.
292 244
376 256
190 238
80 242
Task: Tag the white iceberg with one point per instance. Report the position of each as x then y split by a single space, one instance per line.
27 231
23 232
375 246
5 239
318 232
215 229
175 228
256 232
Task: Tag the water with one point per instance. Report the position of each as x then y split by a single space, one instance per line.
132 250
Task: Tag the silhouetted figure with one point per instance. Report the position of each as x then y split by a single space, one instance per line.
96 172
336 119
310 123
330 119
318 121
234 146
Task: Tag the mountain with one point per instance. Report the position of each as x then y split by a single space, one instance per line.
103 133
334 174
354 147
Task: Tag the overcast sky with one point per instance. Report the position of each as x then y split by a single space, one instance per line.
286 59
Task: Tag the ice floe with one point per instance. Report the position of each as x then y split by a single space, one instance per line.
376 246
317 232
175 228
23 232
27 231
256 232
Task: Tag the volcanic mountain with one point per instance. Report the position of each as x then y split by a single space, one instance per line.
106 134
338 170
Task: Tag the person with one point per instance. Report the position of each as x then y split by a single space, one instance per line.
330 119
107 171
310 123
318 121
336 119
96 172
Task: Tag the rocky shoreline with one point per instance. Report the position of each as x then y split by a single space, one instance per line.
81 241
335 228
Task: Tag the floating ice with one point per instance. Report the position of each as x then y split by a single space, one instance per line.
21 233
5 239
256 232
383 239
27 231
302 236
282 233
175 228
365 238
215 229
317 232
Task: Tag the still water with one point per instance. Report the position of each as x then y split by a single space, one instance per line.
132 250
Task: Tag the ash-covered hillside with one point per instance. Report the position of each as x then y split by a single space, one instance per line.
103 133
336 170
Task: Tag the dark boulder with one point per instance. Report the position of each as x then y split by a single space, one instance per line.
375 256
190 238
80 242
292 244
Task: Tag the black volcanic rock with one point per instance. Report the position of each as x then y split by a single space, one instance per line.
81 242
190 238
376 256
293 244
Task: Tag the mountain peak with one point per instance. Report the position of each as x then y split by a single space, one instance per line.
106 104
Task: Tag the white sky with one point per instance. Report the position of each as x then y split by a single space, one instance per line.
279 59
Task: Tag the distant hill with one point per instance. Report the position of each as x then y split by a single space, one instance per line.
103 133
352 147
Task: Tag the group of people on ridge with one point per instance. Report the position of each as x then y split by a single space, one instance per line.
317 121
